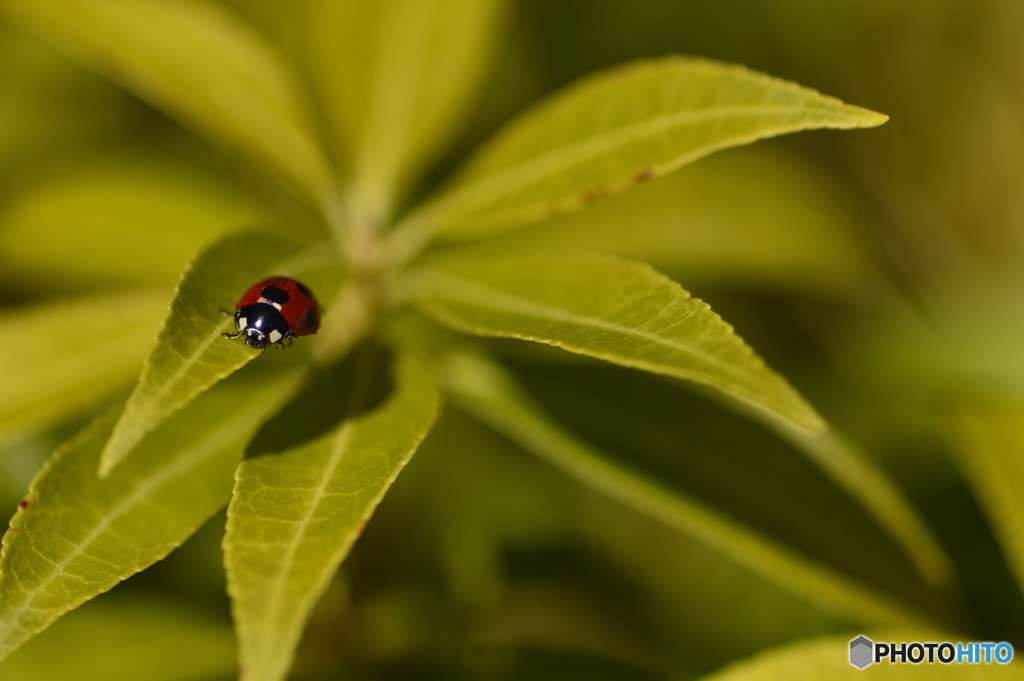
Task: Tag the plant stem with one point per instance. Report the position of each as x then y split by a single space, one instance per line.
349 319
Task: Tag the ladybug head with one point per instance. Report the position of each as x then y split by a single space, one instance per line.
254 338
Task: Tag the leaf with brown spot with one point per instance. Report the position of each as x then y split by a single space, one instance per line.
748 218
600 133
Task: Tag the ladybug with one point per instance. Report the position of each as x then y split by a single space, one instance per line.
275 309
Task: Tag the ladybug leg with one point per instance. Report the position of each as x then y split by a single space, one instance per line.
230 335
280 345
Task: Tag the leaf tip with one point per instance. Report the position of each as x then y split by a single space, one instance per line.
873 119
803 418
859 117
114 451
813 423
106 466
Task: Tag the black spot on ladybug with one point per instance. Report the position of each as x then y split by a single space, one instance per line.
303 290
309 319
275 295
23 505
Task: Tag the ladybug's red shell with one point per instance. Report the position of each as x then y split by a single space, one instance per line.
297 304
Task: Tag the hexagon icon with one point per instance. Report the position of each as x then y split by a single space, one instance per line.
861 652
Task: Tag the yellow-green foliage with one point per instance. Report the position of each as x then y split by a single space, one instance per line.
785 378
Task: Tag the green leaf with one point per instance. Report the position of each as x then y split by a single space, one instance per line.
696 591
297 510
855 472
745 217
473 495
750 467
395 77
829 658
19 462
134 221
189 355
128 639
971 340
852 470
614 130
35 120
200 64
78 535
486 500
650 405
989 439
63 358
487 392
611 309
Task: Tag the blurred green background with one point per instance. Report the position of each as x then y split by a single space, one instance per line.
880 271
